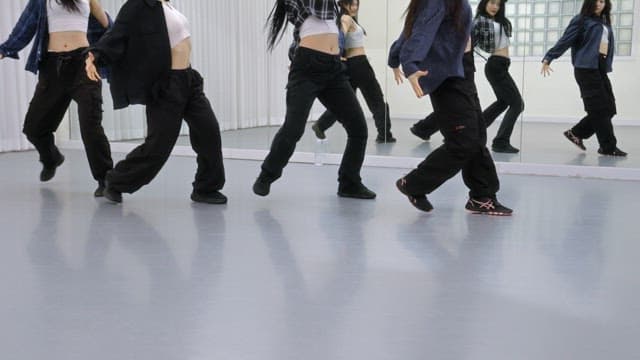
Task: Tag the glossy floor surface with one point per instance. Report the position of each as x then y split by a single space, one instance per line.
303 274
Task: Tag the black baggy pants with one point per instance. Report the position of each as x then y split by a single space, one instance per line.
458 114
318 75
62 78
599 103
178 96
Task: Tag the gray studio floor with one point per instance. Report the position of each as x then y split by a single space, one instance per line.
303 274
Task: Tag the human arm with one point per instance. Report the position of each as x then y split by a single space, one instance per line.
23 32
567 40
98 12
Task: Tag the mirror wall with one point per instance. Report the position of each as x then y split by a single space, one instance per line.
246 85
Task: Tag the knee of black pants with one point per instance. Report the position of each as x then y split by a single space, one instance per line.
518 104
291 133
31 130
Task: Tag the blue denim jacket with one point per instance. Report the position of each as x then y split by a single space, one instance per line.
583 36
435 45
33 22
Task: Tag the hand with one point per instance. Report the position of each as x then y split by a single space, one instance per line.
90 67
398 75
415 84
546 69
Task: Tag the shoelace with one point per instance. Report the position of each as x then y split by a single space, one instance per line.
489 205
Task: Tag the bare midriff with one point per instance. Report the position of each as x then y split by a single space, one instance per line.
353 52
504 52
604 48
181 55
326 43
67 41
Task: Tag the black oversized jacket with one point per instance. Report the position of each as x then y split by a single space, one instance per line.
138 51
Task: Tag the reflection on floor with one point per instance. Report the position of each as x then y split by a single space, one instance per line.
542 143
303 274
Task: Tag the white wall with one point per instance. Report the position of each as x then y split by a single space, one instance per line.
16 85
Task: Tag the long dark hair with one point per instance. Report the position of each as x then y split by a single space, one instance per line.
454 10
343 4
69 5
589 9
276 23
500 17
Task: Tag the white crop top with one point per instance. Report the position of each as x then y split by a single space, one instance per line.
315 26
177 24
61 19
501 38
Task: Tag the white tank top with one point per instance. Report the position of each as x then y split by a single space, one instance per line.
61 19
354 39
315 26
501 38
177 24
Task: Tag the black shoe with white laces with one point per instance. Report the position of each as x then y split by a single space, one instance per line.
420 202
574 139
487 206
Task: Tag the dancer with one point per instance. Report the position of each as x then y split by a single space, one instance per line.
435 35
60 29
149 50
361 76
590 37
491 33
316 72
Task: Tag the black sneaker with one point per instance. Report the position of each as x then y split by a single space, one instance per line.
614 152
419 201
48 173
215 197
100 190
574 139
507 149
112 194
381 139
358 191
417 133
487 206
319 132
261 187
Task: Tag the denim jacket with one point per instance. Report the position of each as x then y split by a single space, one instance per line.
583 36
435 45
34 23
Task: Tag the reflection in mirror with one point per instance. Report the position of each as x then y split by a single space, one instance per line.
365 63
239 78
500 98
554 103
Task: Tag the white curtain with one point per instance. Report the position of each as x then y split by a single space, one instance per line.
16 85
245 83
